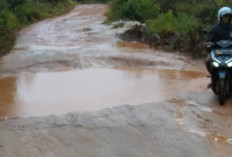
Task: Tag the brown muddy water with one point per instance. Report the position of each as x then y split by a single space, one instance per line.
90 89
75 63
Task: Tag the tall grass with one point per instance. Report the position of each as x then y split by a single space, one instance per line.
183 17
168 22
139 10
15 14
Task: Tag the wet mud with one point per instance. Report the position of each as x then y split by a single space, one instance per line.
78 61
90 89
75 63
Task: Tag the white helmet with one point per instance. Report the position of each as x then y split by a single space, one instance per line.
223 11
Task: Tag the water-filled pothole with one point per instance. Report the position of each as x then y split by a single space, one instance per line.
38 94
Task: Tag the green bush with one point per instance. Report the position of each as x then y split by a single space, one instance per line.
180 31
8 21
168 22
14 14
14 3
166 5
185 17
180 20
93 1
139 10
203 11
3 5
26 14
221 3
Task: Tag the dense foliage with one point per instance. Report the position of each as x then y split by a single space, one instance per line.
182 18
139 10
14 14
92 1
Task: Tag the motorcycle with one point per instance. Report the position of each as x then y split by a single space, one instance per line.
221 68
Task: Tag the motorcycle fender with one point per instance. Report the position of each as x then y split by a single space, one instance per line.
222 74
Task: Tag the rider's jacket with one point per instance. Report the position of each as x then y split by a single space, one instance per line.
220 32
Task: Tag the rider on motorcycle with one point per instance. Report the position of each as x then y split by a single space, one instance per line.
222 31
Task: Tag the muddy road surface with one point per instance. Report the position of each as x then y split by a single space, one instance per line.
70 87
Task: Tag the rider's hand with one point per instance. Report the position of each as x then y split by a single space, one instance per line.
208 43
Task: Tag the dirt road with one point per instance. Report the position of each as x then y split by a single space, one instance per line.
70 87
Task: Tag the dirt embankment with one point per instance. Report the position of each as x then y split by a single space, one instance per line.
168 41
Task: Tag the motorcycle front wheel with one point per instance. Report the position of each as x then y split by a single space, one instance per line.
222 92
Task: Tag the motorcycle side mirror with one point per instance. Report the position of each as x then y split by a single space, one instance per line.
205 31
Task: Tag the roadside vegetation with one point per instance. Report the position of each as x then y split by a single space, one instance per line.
15 14
171 24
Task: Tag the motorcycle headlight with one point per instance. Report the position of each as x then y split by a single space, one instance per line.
229 64
216 64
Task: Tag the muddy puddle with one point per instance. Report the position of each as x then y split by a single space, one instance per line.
76 63
38 94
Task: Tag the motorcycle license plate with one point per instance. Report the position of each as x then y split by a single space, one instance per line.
219 52
224 52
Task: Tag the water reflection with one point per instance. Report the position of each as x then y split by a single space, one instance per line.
89 89
7 97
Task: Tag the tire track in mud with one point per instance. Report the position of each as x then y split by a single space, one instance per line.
200 115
